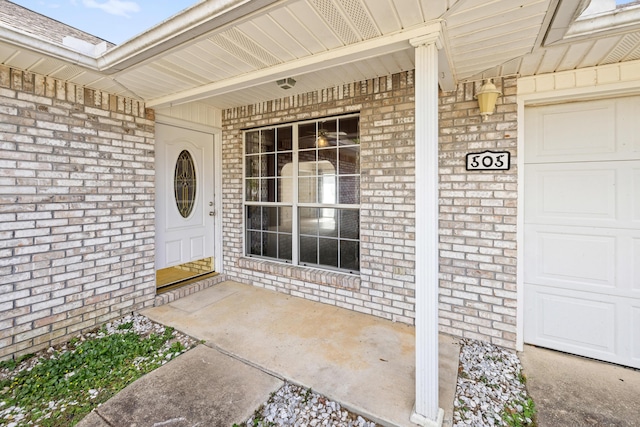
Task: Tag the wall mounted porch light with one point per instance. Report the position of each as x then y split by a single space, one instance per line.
287 83
487 97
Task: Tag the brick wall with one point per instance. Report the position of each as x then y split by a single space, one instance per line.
478 218
477 209
385 285
76 209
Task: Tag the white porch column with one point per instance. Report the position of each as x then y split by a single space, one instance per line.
426 411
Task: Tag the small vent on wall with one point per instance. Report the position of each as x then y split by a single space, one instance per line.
244 49
67 73
250 46
360 18
628 49
336 21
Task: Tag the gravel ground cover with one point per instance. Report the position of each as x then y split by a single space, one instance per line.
295 406
490 388
490 391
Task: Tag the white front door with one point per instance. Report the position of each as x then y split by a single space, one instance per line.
184 196
582 228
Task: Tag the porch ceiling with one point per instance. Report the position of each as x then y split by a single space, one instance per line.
230 53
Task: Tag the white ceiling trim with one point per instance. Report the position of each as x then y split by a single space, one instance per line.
222 52
341 56
192 23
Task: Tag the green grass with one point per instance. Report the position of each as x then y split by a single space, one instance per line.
520 413
66 385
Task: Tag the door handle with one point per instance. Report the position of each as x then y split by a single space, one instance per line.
212 213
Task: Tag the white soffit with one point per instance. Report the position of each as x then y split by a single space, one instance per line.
227 56
234 56
305 39
603 34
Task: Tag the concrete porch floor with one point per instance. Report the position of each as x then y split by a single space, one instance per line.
364 362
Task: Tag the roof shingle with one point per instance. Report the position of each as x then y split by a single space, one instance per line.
25 20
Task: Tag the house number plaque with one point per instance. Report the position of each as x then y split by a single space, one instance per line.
489 160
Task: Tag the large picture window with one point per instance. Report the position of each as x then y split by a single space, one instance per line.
302 193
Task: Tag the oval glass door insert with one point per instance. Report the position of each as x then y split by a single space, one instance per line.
184 183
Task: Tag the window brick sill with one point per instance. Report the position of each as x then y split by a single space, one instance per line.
306 274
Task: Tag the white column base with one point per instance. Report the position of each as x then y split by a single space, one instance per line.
421 420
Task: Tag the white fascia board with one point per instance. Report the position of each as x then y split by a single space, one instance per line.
345 55
618 20
599 6
30 43
447 78
193 23
563 14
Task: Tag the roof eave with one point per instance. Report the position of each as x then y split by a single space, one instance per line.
54 50
565 15
190 24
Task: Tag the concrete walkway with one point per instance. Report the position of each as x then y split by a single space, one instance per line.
202 387
255 339
255 336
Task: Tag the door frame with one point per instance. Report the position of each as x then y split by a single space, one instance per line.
217 178
542 90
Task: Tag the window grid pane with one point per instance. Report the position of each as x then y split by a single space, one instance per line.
327 153
269 232
252 142
267 140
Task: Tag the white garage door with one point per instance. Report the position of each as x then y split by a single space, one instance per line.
582 228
